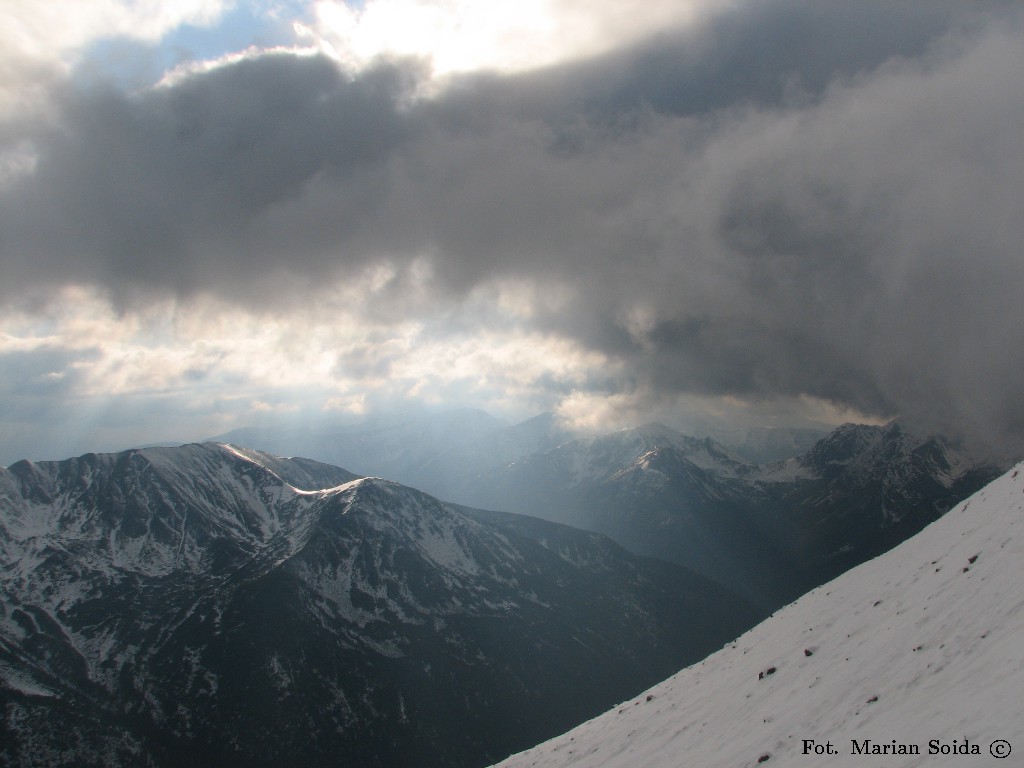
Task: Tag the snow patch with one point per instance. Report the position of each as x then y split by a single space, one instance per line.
18 680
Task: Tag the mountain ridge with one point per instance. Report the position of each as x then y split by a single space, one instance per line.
188 606
770 531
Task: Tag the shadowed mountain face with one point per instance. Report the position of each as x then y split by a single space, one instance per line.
861 491
207 605
769 532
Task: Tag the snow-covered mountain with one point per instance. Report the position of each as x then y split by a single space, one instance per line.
443 453
209 605
440 453
864 489
770 532
598 458
919 650
761 445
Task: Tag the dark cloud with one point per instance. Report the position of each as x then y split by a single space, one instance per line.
171 189
794 199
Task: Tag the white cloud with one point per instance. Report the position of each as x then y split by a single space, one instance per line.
56 28
505 35
41 41
208 358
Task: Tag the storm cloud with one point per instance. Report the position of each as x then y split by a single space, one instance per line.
789 199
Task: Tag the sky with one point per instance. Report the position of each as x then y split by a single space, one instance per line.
762 212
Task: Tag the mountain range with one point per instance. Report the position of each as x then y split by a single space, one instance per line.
443 453
215 605
209 605
768 531
914 658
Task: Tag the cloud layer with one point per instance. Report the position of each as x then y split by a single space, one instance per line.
783 201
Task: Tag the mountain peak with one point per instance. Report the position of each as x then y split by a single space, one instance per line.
375 485
193 603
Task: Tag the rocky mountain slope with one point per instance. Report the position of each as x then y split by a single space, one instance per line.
914 658
208 605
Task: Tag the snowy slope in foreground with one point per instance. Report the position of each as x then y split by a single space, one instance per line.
923 643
